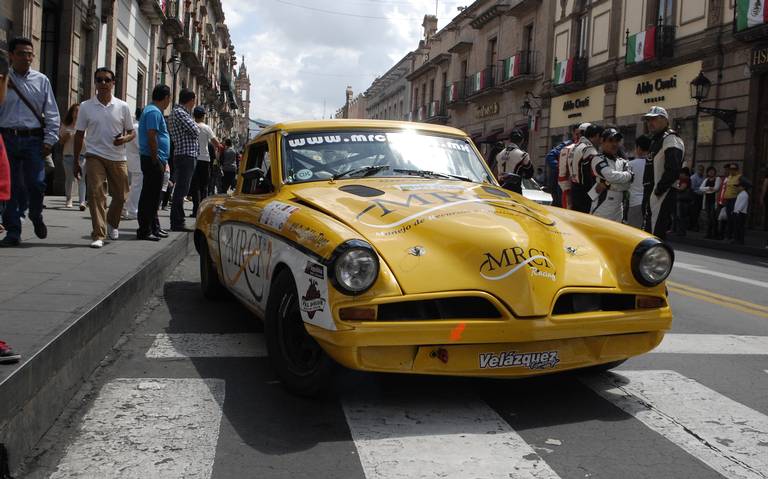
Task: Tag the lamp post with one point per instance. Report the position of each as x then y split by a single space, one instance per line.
175 64
700 87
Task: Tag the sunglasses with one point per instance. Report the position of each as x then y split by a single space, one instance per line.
103 80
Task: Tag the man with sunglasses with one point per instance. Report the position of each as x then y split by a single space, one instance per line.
29 124
109 124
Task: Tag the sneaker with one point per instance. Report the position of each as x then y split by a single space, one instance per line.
8 242
113 233
82 206
41 231
97 244
7 356
68 204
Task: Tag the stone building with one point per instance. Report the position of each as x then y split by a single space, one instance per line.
605 81
389 96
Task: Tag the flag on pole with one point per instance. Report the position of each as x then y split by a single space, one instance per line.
564 71
478 81
511 67
751 13
641 46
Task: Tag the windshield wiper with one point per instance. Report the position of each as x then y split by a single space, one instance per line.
431 174
366 170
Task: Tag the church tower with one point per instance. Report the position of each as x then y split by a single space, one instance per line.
243 92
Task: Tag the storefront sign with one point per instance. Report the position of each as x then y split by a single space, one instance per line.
759 59
578 107
668 88
484 111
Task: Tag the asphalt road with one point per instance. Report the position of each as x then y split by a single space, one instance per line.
171 403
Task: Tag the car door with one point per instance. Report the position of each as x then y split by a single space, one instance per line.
244 248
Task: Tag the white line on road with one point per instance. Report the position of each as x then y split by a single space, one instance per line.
457 437
139 428
207 346
729 437
713 344
705 270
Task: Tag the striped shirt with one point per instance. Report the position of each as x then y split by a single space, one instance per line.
184 133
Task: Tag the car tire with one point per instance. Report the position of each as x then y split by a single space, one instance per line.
210 284
301 364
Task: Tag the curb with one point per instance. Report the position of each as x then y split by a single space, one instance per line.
719 245
34 395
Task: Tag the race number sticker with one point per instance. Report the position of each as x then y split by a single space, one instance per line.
276 214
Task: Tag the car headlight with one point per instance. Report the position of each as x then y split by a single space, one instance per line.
652 262
355 267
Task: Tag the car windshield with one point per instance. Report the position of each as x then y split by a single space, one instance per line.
356 154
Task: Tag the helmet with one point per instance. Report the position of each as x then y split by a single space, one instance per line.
516 136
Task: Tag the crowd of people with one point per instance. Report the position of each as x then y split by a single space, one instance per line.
141 159
651 187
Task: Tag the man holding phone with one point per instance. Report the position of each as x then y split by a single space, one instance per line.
109 125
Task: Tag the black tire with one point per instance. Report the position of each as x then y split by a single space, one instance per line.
209 279
301 364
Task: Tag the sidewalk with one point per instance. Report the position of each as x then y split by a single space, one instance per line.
64 305
754 242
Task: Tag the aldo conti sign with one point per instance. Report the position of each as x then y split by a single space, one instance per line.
668 88
578 107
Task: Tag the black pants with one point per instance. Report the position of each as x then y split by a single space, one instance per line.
580 198
149 200
664 218
729 204
739 224
228 181
711 212
199 187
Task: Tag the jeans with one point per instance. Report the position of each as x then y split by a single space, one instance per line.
199 188
149 201
69 173
228 180
25 155
183 170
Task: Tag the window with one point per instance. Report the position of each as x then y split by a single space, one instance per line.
121 70
582 30
141 74
492 54
463 69
432 90
257 178
528 37
665 12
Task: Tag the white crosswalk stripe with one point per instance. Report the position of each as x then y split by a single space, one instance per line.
139 428
177 346
713 344
458 437
729 437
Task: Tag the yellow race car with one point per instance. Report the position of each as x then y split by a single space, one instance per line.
389 246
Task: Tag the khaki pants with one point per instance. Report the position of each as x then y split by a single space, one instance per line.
101 173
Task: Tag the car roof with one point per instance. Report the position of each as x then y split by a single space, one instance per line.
322 125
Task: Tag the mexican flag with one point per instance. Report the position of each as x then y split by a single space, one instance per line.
751 13
511 67
453 92
477 81
641 46
563 71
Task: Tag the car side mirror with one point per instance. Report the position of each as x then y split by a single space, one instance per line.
255 181
512 182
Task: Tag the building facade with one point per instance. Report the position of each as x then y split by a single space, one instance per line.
600 73
388 97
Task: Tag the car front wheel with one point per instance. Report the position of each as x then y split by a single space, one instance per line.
209 278
300 362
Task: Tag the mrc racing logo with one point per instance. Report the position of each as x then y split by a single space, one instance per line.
495 267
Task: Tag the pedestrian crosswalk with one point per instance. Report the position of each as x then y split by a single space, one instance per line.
169 428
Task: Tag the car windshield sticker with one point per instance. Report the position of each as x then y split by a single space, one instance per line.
276 213
303 175
430 186
496 267
398 139
513 359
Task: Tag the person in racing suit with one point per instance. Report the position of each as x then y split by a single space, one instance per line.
613 178
667 153
580 166
514 159
563 165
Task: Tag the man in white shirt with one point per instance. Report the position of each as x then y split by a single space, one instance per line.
109 125
199 188
635 213
135 176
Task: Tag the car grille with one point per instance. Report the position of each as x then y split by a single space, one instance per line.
573 303
469 307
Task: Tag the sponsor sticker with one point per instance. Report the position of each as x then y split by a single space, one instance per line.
312 301
498 266
303 175
314 269
430 186
276 213
513 359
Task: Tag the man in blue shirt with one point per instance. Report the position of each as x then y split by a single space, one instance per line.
29 131
154 149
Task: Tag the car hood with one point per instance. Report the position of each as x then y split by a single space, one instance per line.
450 235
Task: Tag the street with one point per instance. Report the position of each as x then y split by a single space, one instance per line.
189 393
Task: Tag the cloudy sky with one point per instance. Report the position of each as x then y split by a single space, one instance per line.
302 53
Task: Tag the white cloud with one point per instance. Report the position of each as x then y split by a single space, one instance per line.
298 58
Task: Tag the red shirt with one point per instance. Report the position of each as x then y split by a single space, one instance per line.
5 173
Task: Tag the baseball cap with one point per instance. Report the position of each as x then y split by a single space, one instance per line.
583 127
612 134
656 111
198 111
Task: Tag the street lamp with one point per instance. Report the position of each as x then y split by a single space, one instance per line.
175 64
700 87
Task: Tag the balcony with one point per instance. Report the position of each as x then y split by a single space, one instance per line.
746 30
569 75
436 112
482 83
420 114
455 93
523 7
226 82
663 47
173 24
519 68
154 10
